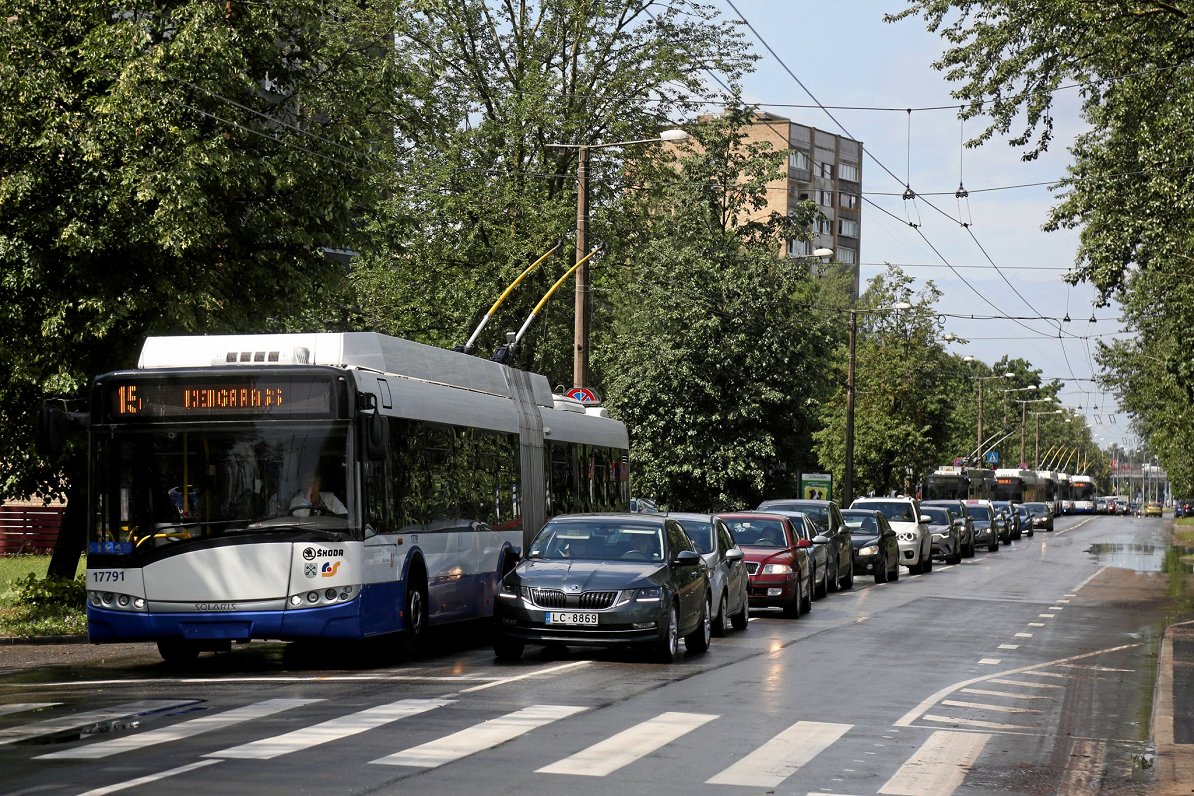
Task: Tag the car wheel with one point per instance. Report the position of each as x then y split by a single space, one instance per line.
894 575
820 590
956 558
741 619
507 649
834 583
881 571
721 623
698 640
926 564
792 609
994 546
1031 532
808 600
848 581
667 647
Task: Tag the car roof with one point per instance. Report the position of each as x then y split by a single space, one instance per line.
626 516
806 501
747 515
689 515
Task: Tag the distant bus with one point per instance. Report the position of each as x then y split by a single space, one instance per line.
1019 486
435 469
1049 493
1065 495
953 482
1082 489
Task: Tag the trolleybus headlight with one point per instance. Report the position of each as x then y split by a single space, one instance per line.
95 598
296 600
107 598
329 594
139 603
312 596
123 600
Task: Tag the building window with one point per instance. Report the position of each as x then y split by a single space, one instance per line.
797 160
847 201
847 256
824 226
825 198
848 228
847 171
825 170
798 248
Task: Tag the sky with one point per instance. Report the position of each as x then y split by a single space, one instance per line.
847 56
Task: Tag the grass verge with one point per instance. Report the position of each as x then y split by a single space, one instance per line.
30 607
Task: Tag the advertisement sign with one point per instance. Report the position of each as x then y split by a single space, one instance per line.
816 486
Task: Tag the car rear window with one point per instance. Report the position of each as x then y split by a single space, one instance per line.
757 532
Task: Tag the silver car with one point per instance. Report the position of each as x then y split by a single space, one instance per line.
728 579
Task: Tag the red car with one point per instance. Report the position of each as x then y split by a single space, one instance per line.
777 561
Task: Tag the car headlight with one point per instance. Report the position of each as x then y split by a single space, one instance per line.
938 536
652 594
777 569
869 550
508 590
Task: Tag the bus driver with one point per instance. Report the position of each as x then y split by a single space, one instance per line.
313 501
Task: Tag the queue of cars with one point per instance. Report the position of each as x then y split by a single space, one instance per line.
649 580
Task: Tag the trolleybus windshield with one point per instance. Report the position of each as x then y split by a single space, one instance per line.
163 483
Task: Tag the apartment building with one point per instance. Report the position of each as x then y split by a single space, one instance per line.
827 169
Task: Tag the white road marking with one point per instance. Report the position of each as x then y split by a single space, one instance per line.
1008 694
1094 668
1056 608
1025 635
985 725
1046 616
516 678
1063 602
1088 580
133 783
1036 624
21 707
483 736
990 661
1004 681
331 730
926 703
628 746
1036 673
955 703
939 766
782 756
177 732
1009 646
77 721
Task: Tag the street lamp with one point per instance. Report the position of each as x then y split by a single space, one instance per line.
848 469
580 356
980 380
1024 415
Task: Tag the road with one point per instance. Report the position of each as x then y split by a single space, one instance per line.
1026 671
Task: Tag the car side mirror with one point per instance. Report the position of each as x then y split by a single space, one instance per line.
804 543
688 558
820 539
735 554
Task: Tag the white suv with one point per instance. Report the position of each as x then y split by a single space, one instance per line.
911 527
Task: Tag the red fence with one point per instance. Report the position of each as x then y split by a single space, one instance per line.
29 529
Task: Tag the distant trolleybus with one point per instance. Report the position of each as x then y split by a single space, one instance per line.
954 482
323 486
1019 486
1082 489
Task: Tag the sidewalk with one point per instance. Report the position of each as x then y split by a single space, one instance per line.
1173 700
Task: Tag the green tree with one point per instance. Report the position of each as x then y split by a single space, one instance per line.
711 354
903 407
486 191
170 169
1130 189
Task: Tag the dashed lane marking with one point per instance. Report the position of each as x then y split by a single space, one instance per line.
773 762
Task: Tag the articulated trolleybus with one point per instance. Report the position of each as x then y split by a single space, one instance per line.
1082 490
309 486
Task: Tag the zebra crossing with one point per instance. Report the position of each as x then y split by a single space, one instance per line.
938 767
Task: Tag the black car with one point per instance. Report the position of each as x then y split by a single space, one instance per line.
965 524
876 549
1041 515
826 515
606 580
1011 520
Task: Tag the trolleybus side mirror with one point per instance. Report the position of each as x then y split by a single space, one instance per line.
377 436
54 423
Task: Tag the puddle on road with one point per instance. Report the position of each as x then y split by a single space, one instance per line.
1140 557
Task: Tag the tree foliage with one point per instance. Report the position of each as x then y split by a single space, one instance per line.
1130 189
172 168
711 353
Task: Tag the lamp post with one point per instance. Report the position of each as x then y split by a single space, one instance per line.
848 468
1024 416
980 380
580 354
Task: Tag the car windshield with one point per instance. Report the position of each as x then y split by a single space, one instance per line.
938 516
979 513
757 532
700 532
598 540
863 523
1036 509
893 510
818 514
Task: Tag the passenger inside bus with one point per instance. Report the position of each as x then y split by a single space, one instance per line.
313 501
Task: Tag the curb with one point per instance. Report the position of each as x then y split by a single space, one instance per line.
11 641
